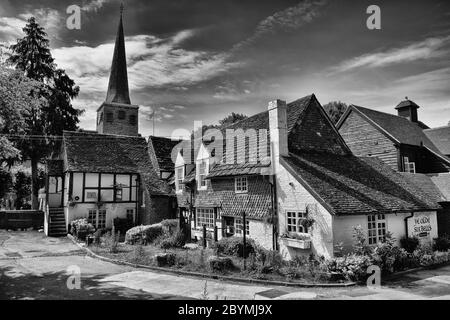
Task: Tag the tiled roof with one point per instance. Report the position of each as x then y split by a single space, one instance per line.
426 184
224 170
440 138
163 151
92 152
350 185
257 203
190 176
442 181
406 103
399 128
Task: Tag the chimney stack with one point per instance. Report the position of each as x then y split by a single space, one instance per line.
408 109
278 129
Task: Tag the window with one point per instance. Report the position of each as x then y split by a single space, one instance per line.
55 185
101 219
121 114
376 228
132 119
408 166
202 172
97 218
205 216
293 221
179 178
130 214
239 227
240 184
109 117
107 187
92 217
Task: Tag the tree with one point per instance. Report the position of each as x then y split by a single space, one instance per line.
18 96
32 56
5 182
335 110
22 187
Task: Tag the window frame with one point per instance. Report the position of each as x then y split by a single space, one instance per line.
179 180
293 218
376 228
408 166
204 174
97 217
200 217
238 181
132 187
238 227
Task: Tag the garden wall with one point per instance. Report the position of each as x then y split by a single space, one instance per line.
21 219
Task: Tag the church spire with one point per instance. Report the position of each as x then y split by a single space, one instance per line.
118 80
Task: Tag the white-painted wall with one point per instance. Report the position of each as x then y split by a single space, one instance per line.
343 227
292 196
113 210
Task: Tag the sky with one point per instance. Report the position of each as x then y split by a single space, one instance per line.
201 60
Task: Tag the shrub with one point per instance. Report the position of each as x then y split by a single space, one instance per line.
123 225
275 260
352 267
143 234
234 246
388 256
165 259
111 241
170 225
81 228
220 264
139 254
360 247
409 243
441 244
176 240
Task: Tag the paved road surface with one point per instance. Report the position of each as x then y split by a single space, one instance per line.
33 266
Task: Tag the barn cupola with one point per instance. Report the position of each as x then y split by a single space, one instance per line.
408 109
117 115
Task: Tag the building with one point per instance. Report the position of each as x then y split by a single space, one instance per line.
112 172
305 192
400 141
404 143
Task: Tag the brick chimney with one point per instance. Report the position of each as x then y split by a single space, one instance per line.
278 130
408 109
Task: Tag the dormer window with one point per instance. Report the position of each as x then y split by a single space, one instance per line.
202 171
408 166
121 114
109 117
179 176
132 119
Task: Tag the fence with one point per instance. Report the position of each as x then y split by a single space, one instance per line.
21 219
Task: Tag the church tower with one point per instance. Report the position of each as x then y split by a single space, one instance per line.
117 115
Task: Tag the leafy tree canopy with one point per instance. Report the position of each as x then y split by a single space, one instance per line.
335 110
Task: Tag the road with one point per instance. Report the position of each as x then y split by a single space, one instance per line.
33 266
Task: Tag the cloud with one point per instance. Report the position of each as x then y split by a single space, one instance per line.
152 63
11 27
288 19
427 49
93 6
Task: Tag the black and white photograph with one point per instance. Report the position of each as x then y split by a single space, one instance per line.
229 156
